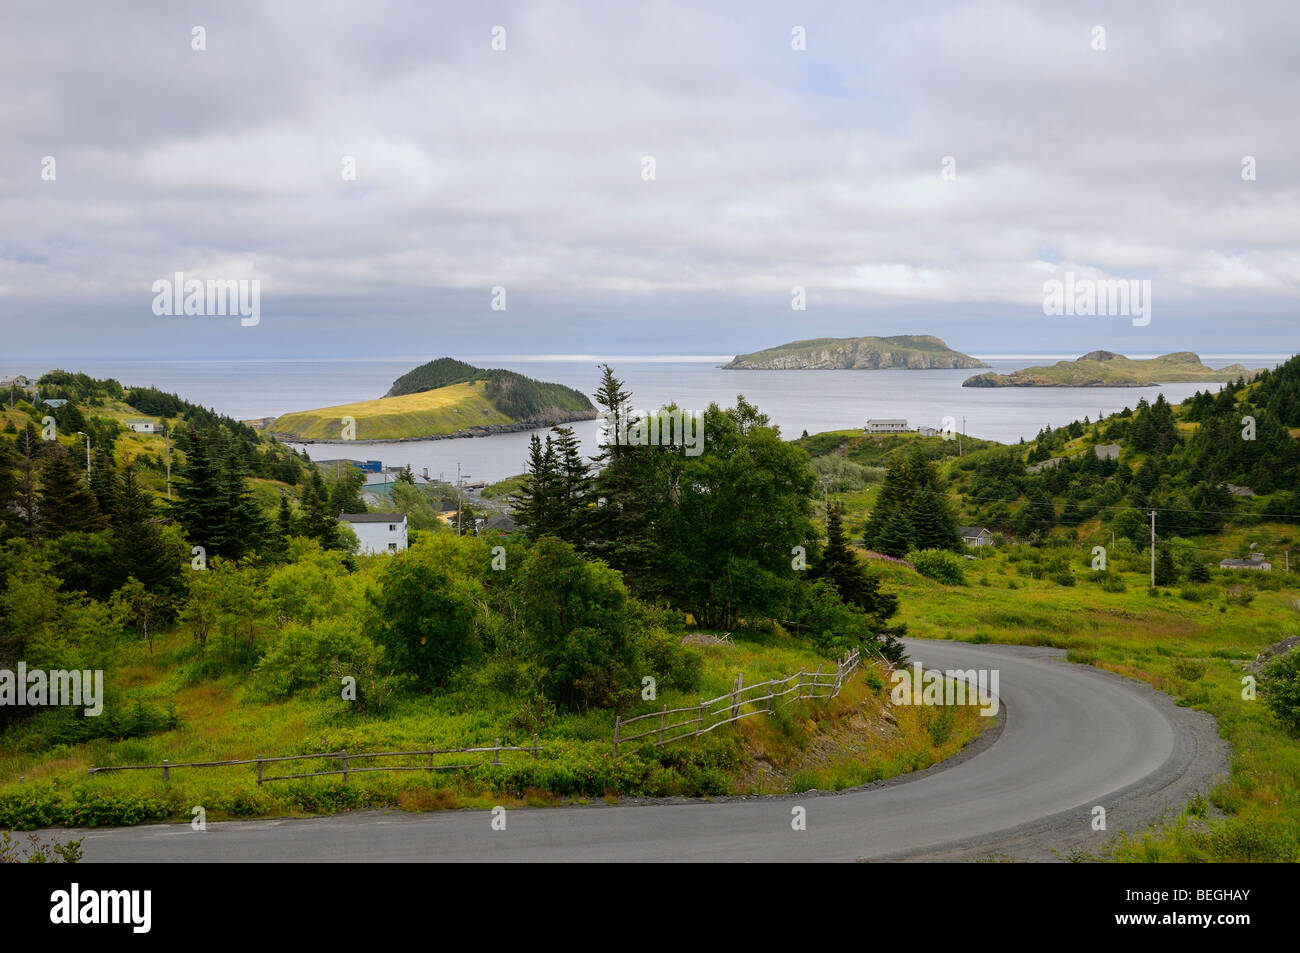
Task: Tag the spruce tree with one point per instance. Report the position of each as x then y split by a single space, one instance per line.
537 502
64 501
574 483
245 527
318 521
199 504
139 547
9 489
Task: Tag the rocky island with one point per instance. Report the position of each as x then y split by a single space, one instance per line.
910 351
1108 369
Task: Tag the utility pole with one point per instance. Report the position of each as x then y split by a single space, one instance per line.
167 432
458 498
1153 549
87 436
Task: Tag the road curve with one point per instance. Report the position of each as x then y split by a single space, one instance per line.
1074 738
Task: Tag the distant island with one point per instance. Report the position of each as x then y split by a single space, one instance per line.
1107 369
910 351
443 398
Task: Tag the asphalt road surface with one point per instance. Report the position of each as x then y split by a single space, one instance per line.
1072 739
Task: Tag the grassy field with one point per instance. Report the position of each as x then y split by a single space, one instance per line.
1189 641
849 740
445 410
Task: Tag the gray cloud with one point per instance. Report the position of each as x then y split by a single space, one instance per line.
522 168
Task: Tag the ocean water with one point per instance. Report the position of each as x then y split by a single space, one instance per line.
794 400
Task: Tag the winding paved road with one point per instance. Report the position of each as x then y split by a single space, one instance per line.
1073 738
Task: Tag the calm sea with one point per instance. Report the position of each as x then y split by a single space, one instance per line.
794 400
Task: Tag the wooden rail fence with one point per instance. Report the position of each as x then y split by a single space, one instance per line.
341 756
763 698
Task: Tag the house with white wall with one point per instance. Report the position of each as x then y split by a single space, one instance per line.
377 532
886 425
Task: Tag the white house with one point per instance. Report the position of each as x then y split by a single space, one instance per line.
377 532
13 380
927 431
886 425
976 536
140 425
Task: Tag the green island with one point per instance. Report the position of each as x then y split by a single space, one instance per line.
910 351
443 398
1107 369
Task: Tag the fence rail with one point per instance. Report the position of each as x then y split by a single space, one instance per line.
743 701
342 756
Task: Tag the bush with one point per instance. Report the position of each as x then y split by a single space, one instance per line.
1189 670
1063 578
672 664
940 565
1280 689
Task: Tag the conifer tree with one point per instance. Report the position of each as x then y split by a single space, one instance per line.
139 547
65 503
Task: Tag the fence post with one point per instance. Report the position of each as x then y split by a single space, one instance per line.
259 770
344 752
534 746
430 760
699 718
497 758
662 716
799 695
735 694
813 693
617 719
167 771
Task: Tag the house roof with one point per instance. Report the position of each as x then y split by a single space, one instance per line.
965 531
887 420
373 517
1243 563
503 522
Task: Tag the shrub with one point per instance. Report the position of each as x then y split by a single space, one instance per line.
1189 670
672 664
1280 688
939 564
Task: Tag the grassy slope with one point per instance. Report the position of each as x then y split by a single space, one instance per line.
1186 647
1189 641
442 411
844 742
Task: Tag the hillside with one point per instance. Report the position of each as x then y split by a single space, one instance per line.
1107 369
910 351
443 398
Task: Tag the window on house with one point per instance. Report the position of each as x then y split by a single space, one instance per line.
392 547
392 527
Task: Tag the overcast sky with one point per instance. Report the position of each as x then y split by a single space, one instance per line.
523 168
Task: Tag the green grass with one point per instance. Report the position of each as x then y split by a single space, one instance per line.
1186 649
442 411
221 719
